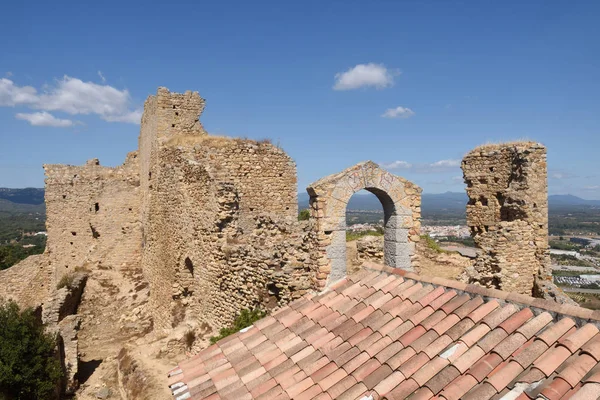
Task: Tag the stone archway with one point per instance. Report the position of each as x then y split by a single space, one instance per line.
401 201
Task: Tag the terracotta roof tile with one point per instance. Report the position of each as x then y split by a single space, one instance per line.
509 345
482 368
468 307
400 358
516 321
455 303
580 337
442 379
575 371
552 359
458 387
592 348
353 393
535 325
403 390
504 374
464 362
429 370
556 330
376 320
442 300
365 369
457 329
356 362
499 315
433 319
437 346
393 334
530 353
341 386
413 364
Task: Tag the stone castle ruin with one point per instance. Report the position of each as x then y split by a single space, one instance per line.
208 225
508 214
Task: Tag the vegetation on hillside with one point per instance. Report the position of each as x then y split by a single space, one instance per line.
10 254
243 320
432 244
28 366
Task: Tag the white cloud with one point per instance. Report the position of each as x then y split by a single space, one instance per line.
398 112
593 187
445 164
12 95
101 76
73 96
397 165
44 118
8 74
365 75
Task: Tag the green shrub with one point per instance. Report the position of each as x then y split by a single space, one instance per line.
66 281
351 235
244 320
432 244
304 215
28 366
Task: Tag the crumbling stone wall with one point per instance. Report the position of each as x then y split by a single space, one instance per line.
220 229
29 282
508 214
92 216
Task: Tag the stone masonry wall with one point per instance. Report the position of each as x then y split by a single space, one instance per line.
93 216
219 218
508 214
222 232
28 282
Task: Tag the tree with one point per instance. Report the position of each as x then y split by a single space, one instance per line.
304 215
29 368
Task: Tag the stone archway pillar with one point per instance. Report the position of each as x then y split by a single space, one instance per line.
401 201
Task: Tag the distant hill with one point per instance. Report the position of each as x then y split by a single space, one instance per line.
29 200
449 202
23 196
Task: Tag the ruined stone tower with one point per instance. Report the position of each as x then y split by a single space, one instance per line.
508 214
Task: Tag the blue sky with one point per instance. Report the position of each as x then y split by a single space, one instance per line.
412 85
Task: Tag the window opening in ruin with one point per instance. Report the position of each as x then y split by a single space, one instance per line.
97 207
176 113
64 196
483 201
74 233
364 230
189 265
174 106
172 125
274 291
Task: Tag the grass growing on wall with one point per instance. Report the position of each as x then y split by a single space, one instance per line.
243 320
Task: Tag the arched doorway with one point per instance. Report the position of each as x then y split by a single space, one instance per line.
401 202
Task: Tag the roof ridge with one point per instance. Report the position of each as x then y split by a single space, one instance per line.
579 313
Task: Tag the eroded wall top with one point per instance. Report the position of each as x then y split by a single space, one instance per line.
508 214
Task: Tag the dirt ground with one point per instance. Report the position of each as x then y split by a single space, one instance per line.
112 310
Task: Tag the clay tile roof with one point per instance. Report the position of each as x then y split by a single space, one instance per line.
390 334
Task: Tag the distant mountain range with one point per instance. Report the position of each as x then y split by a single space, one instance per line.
29 200
23 196
449 201
32 199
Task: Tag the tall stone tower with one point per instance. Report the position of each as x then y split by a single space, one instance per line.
508 214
